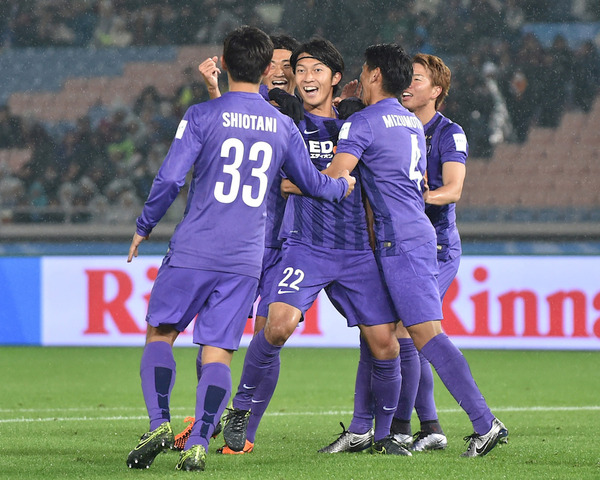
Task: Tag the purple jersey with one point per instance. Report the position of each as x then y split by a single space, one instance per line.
275 208
237 145
264 91
390 144
446 142
275 201
322 223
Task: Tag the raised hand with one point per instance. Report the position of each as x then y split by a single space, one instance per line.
210 72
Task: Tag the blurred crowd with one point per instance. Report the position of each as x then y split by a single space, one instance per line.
101 168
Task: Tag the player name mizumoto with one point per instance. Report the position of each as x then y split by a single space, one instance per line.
401 121
249 122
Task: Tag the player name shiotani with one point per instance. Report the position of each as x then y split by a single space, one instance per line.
249 122
401 121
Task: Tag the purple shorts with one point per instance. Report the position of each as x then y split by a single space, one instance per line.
351 279
411 278
448 270
271 261
221 301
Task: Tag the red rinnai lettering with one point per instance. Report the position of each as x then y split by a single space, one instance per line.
507 313
99 306
481 305
596 304
481 315
249 328
451 322
556 303
311 321
151 275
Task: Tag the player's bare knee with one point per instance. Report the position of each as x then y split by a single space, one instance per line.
277 331
384 348
162 333
388 351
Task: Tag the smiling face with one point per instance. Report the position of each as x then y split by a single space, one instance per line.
421 94
315 81
281 75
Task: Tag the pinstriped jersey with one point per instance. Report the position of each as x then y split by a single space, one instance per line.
322 223
275 208
446 142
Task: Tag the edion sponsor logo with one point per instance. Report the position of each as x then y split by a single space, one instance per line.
519 312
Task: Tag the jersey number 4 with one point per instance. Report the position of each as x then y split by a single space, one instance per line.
249 197
415 156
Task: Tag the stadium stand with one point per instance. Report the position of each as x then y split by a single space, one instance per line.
103 115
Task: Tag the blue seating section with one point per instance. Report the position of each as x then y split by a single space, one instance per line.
46 69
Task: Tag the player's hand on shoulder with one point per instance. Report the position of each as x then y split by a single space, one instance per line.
351 181
289 105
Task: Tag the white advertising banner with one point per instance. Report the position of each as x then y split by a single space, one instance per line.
495 302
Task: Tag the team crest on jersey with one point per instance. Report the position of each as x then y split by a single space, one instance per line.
181 129
428 143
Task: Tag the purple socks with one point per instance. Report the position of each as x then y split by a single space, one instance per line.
212 394
362 419
411 372
455 373
425 403
157 372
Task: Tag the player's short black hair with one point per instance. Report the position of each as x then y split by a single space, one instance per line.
247 52
284 42
395 65
324 51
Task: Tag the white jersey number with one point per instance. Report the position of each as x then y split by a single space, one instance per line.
289 287
233 170
415 156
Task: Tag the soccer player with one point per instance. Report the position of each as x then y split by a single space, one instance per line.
279 79
236 145
326 247
447 151
280 76
387 142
